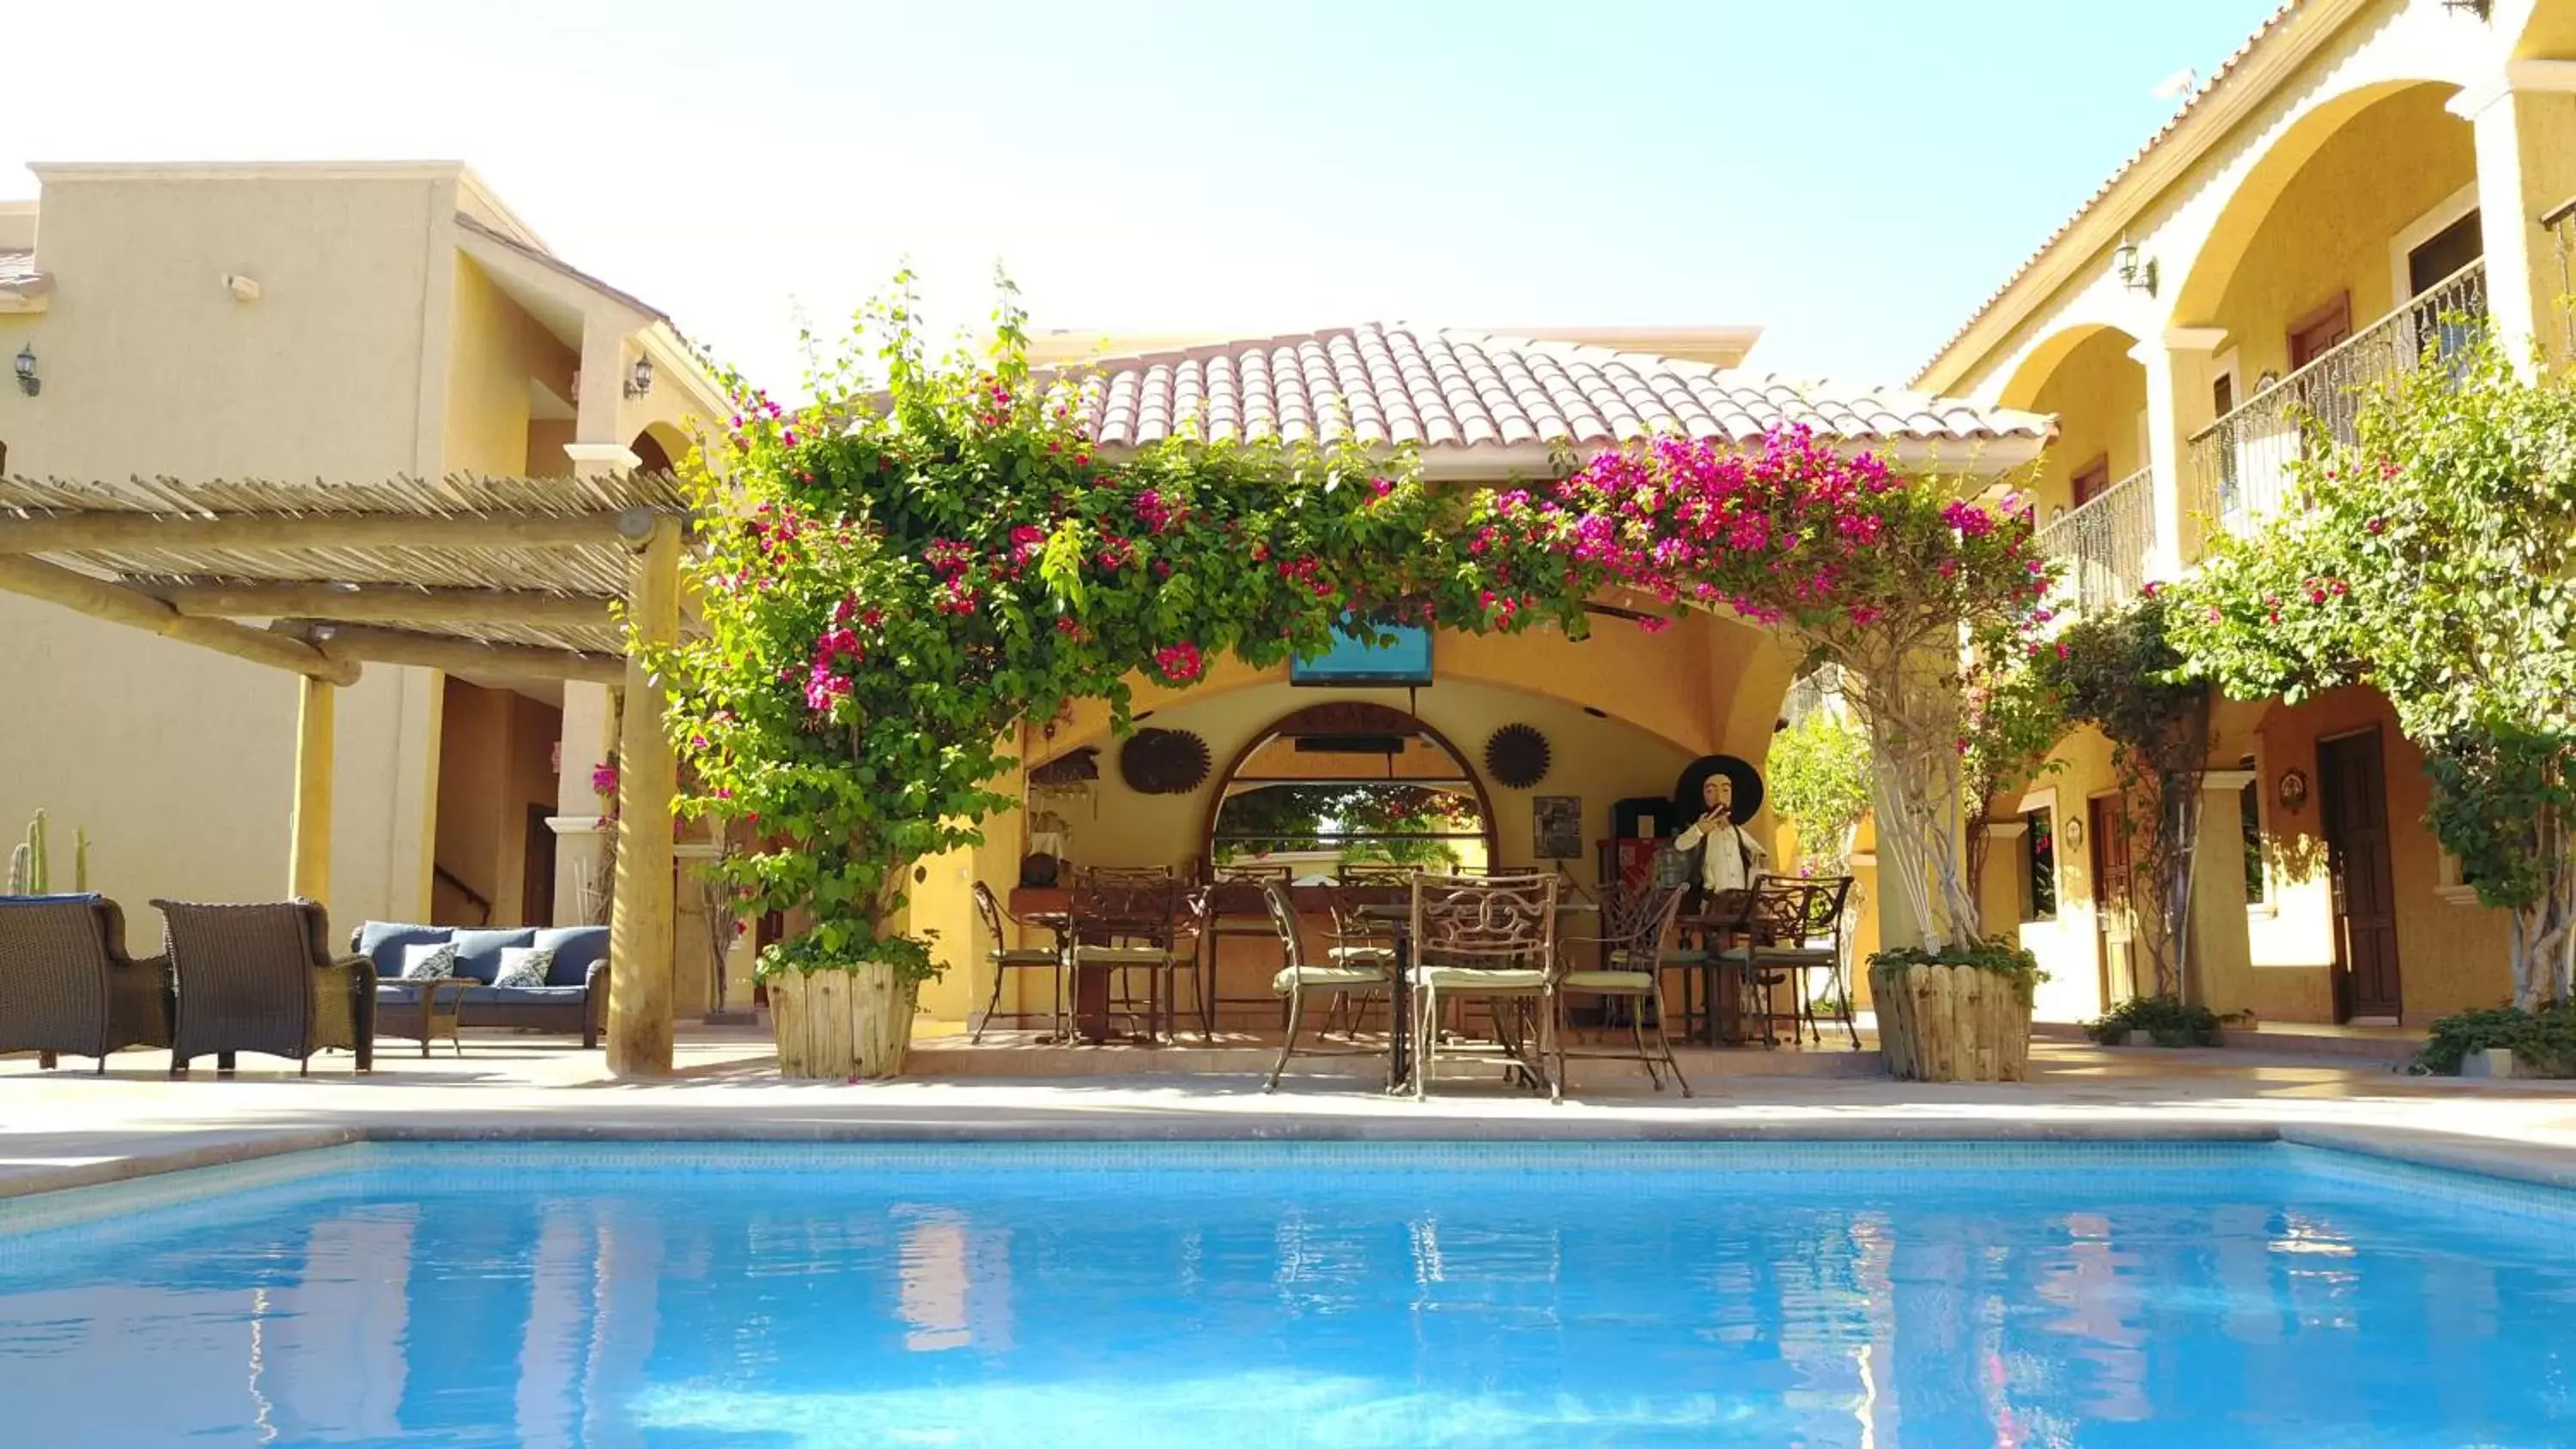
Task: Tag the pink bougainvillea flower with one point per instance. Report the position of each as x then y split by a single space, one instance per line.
1180 663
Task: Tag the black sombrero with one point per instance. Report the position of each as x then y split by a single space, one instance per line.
1748 787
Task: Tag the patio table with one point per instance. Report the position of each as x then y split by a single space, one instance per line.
1722 980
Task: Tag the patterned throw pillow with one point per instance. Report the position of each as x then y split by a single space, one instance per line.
524 966
425 961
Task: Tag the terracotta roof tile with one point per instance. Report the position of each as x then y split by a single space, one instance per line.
1453 392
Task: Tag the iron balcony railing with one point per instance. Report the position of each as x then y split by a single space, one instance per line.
2101 547
2240 466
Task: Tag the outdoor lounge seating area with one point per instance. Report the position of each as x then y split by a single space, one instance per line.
264 978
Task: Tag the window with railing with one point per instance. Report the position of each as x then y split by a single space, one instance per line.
2240 465
2101 546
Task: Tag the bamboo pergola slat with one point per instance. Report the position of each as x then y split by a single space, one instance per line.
508 578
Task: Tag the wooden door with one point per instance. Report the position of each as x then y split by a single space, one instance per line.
2106 831
2352 791
2317 333
2091 480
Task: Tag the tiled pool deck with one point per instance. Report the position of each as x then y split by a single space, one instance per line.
66 1128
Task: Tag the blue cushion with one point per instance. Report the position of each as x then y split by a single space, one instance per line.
396 993
382 942
575 948
56 899
478 953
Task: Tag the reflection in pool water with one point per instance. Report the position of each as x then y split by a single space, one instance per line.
1689 1296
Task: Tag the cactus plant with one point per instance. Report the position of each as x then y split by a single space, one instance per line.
40 863
31 866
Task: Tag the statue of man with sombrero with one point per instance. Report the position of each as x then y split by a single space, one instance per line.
1724 860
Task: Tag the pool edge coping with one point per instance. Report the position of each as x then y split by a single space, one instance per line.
2524 1163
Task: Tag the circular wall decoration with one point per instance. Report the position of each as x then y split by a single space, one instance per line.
1517 756
1163 762
2294 790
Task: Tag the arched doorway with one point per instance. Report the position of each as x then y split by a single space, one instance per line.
1349 783
650 455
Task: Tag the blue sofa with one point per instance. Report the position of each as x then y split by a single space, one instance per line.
574 998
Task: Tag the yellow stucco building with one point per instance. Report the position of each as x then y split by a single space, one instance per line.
310 324
2357 173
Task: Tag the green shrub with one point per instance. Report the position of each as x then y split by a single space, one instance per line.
2167 1020
2543 1042
2002 957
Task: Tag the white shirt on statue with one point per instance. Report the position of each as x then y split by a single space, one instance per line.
1722 867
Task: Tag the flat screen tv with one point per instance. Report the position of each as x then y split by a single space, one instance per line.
1356 659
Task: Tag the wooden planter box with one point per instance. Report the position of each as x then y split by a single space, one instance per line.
1950 1024
841 1024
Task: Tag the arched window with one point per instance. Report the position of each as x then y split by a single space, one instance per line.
1350 783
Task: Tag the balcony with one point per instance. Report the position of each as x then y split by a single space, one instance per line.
2101 548
2239 470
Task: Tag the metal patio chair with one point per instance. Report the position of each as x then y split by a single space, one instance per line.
1005 959
1486 938
1299 980
1634 928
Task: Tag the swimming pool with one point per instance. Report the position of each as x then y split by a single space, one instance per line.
1876 1294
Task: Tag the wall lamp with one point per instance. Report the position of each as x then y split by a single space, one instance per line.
2135 274
639 380
28 382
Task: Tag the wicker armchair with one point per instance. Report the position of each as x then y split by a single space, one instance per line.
261 978
67 986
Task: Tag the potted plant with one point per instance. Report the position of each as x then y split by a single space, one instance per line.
1956 1013
2165 1021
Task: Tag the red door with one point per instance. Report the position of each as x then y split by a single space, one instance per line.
2352 789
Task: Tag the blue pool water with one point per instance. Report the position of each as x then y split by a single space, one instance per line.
1233 1296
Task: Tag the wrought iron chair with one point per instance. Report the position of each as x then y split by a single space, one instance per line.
1005 958
1232 908
1488 938
1826 900
1634 926
67 986
1298 980
1781 916
1121 922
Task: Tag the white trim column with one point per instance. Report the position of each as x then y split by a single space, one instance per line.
2178 405
2524 121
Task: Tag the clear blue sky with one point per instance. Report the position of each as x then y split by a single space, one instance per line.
1852 175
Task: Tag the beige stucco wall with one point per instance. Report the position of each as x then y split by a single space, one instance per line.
494 348
2099 396
2328 234
178 760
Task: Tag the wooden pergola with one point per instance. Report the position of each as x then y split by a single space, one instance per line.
511 578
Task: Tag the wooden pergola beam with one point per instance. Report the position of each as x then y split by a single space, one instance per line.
269 533
391 604
457 656
118 604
